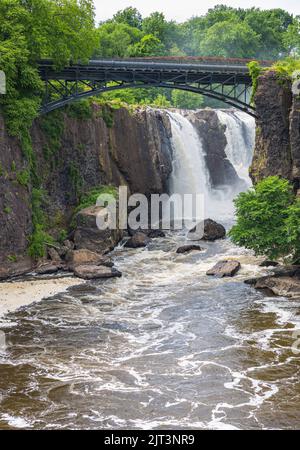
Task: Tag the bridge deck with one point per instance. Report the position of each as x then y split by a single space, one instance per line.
227 80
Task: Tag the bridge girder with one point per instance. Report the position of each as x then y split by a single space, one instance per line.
231 85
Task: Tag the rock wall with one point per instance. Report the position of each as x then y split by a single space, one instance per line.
134 150
277 147
212 134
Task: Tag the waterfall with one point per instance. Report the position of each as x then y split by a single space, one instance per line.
240 134
190 174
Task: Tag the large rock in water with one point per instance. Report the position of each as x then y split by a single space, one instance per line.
139 239
91 272
207 230
88 236
283 286
284 281
83 256
188 248
226 268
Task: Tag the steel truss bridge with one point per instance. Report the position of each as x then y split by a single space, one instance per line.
227 80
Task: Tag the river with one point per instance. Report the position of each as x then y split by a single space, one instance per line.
165 346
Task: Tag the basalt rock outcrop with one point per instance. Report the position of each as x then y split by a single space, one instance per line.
226 268
132 149
207 230
212 134
277 146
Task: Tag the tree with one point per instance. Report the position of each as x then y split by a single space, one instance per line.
270 25
166 32
186 100
61 30
129 16
230 39
115 39
292 37
149 45
268 220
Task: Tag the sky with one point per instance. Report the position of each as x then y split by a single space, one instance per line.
182 10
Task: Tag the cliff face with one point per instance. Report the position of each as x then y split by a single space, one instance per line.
212 135
277 146
133 150
75 154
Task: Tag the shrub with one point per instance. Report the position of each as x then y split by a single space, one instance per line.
268 220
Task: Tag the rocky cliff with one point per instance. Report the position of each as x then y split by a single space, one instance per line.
75 155
77 152
277 147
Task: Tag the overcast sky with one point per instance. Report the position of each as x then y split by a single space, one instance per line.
182 10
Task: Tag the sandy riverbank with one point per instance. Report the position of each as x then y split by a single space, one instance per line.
13 295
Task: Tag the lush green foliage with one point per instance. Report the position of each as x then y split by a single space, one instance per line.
90 198
268 220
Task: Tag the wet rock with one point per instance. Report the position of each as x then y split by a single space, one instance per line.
268 263
284 286
207 230
284 281
153 234
88 236
91 271
48 268
139 239
68 244
62 251
17 268
53 254
76 258
226 268
188 248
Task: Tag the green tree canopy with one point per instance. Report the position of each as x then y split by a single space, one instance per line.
268 220
130 16
230 39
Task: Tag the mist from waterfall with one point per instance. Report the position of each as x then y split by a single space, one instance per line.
190 174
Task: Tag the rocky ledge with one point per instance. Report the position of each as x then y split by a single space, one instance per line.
283 281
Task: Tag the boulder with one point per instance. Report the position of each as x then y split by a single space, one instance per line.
139 239
76 258
284 286
92 271
20 267
69 244
153 234
226 268
188 248
268 263
88 236
53 254
148 232
207 230
48 268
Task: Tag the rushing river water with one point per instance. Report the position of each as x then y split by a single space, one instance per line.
165 346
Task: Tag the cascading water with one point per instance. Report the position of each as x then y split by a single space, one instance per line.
240 134
190 173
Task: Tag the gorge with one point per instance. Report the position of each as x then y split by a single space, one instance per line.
163 346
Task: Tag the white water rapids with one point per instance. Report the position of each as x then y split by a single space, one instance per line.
164 346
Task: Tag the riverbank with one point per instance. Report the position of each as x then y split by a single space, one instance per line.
15 294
